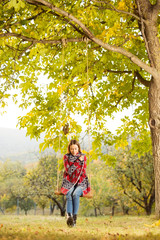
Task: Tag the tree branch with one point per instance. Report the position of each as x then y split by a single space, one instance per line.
157 5
67 21
136 178
141 79
151 191
129 55
130 178
142 28
133 82
117 71
44 41
152 198
27 19
32 44
134 200
87 33
112 8
90 35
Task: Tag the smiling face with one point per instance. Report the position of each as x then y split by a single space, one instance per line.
74 149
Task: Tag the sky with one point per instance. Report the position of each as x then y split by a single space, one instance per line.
9 118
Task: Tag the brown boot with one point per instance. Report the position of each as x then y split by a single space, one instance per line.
74 220
69 220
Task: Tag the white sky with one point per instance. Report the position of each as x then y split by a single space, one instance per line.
10 118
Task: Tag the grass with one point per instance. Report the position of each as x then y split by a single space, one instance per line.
91 228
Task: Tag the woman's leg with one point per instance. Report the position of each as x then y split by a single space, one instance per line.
69 203
76 195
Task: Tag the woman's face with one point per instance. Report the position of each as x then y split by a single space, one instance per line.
74 149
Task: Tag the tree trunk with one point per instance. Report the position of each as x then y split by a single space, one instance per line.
62 211
125 210
113 209
43 211
100 211
2 211
35 208
95 211
149 30
52 207
148 210
59 205
154 122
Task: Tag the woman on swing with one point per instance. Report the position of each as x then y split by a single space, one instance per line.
75 181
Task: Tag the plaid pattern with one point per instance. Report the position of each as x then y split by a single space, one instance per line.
73 167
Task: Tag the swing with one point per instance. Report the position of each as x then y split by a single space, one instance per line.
58 190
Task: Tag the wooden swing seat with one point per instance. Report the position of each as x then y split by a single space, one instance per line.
89 195
58 193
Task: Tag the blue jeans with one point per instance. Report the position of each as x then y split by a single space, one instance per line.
72 197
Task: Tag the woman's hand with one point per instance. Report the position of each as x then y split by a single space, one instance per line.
81 158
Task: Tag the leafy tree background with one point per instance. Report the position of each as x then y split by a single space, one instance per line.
100 54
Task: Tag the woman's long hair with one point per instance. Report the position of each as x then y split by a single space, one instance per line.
74 142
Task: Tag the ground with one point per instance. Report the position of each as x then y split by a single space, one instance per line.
90 228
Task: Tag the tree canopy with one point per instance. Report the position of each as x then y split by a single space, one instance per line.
36 38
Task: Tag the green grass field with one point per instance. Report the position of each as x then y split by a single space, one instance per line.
54 227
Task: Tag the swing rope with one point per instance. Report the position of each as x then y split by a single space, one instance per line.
89 195
88 106
58 192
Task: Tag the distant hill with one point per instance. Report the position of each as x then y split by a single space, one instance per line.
15 145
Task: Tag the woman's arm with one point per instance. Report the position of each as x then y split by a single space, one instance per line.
69 167
85 163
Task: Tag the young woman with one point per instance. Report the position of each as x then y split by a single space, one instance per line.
75 181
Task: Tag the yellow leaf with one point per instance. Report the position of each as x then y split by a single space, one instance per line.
121 6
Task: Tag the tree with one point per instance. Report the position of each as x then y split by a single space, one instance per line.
11 184
42 182
26 204
116 57
135 176
42 202
104 195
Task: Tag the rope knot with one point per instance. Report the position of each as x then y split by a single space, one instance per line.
64 43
